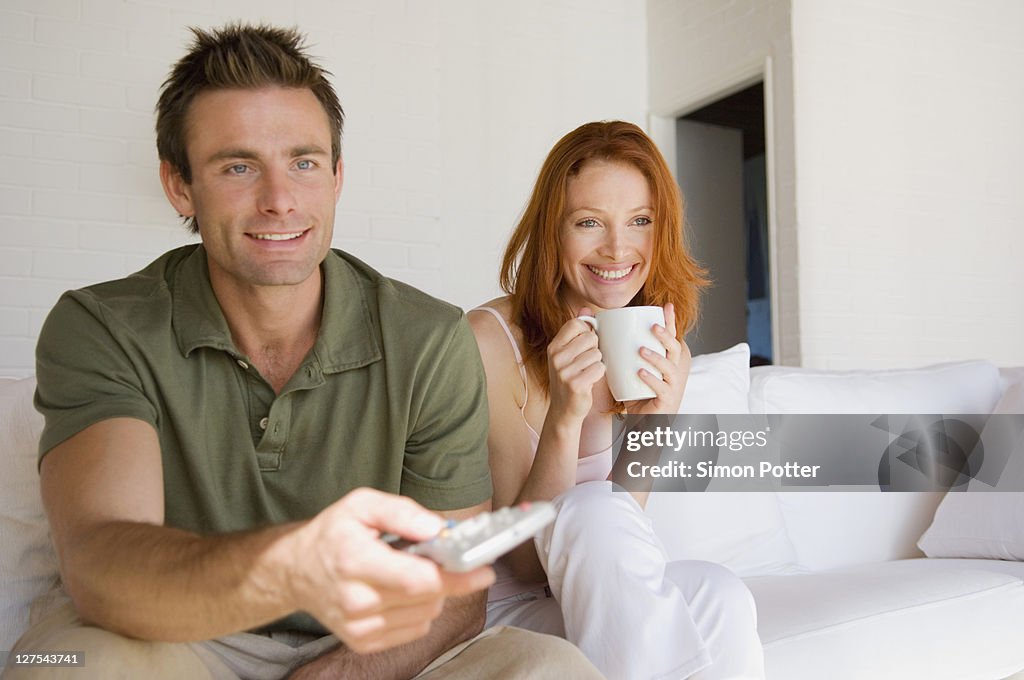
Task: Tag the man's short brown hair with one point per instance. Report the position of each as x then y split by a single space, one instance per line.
238 56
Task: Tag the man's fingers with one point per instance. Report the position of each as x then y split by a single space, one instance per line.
385 639
389 569
390 513
463 583
369 618
375 597
379 623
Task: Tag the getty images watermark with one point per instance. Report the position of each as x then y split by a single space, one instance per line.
820 452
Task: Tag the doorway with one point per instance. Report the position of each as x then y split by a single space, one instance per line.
722 173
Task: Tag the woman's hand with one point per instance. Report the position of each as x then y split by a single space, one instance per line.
675 370
574 366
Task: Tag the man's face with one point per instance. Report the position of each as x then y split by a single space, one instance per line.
263 189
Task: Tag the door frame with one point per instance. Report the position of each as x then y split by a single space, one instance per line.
662 129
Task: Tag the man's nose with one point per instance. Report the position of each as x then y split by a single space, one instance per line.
276 196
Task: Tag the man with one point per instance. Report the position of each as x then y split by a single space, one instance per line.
210 419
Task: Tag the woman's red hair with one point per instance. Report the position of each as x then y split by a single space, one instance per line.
531 269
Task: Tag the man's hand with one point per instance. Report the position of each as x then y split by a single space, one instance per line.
130 574
365 592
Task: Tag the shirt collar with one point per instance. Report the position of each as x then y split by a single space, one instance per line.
346 339
196 316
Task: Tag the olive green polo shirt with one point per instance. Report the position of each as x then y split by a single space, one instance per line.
391 396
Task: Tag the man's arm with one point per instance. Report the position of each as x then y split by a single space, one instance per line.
445 455
103 493
462 618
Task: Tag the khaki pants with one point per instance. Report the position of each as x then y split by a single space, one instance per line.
501 652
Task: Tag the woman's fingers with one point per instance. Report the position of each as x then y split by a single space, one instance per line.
670 318
662 364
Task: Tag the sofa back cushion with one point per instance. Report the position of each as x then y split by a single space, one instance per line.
988 525
27 563
719 382
960 387
834 529
744 532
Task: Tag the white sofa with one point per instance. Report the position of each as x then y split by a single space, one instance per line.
842 589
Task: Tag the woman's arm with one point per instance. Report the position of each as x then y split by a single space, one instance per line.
518 475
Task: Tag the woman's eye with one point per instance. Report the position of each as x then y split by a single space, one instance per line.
642 221
588 223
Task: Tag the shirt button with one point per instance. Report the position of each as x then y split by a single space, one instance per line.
245 366
264 421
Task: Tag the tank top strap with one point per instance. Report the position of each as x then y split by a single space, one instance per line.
515 348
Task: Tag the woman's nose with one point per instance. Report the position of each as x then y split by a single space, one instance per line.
615 244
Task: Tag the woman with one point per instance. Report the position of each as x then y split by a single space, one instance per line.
602 230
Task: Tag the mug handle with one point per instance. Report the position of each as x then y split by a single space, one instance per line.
589 320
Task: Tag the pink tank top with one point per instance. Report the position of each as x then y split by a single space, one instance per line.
592 467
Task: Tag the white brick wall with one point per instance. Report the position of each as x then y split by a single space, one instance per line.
898 143
450 109
702 50
910 210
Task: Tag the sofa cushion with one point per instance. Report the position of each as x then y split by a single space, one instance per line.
980 523
742 531
960 387
833 529
977 524
27 564
906 619
719 382
1011 375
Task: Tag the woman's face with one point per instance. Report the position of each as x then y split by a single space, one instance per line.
607 235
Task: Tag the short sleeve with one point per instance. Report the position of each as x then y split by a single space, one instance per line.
446 464
84 373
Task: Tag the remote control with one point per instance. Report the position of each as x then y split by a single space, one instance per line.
479 540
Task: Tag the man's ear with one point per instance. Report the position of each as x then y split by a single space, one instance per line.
177 190
339 178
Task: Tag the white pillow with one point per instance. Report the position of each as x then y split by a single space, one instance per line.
719 382
961 387
743 531
834 529
979 523
28 565
1011 375
1012 400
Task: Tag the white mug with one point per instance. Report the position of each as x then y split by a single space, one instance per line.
620 335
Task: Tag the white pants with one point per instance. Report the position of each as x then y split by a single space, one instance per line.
633 613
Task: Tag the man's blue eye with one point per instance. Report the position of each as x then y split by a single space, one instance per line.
304 164
239 169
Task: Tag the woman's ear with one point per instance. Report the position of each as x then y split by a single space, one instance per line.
177 190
